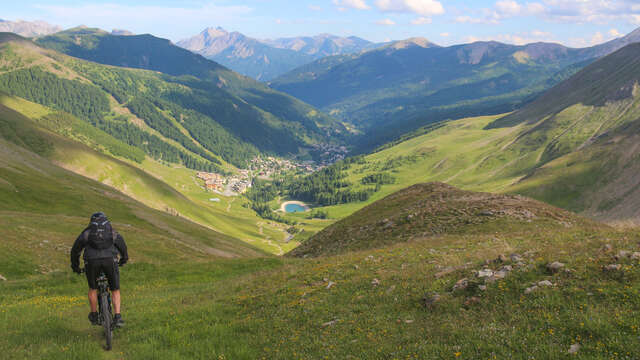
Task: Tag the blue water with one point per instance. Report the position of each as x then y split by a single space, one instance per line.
291 208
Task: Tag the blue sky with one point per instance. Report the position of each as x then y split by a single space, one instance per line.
571 22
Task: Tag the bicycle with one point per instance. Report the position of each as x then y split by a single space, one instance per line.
105 313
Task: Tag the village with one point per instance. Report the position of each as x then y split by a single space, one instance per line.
264 168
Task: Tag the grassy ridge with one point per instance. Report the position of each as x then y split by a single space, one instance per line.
331 307
170 190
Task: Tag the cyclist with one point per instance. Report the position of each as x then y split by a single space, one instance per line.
101 244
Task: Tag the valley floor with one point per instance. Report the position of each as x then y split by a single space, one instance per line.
362 305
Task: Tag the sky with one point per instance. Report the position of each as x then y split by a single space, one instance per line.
576 23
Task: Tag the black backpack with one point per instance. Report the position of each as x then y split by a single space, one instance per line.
100 234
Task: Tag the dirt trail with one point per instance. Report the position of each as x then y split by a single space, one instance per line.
229 205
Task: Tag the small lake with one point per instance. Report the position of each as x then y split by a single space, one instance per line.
292 208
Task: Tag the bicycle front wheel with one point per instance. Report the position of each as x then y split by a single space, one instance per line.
105 310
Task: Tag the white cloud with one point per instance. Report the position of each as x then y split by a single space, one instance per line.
353 4
445 34
508 8
475 20
386 22
421 21
420 7
591 11
315 8
521 38
615 33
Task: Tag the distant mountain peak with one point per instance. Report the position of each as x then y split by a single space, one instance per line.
414 41
121 32
28 28
212 32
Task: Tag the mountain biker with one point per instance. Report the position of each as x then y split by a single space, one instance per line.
101 244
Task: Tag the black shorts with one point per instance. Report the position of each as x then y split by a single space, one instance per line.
93 269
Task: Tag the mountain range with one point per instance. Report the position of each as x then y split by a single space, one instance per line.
267 59
28 28
403 86
270 120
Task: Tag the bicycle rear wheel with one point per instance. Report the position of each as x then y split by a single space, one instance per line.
105 310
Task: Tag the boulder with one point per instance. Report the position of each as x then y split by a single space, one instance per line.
545 283
612 267
485 273
472 301
330 284
3 278
500 274
555 266
529 290
635 256
330 323
461 284
375 282
429 301
515 257
622 254
502 258
574 348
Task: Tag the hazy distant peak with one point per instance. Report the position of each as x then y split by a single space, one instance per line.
121 32
414 41
28 28
212 32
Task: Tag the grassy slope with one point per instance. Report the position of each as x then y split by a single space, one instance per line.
169 189
44 207
424 210
282 308
575 147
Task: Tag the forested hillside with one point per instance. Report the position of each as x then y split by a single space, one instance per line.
247 108
174 119
408 84
575 147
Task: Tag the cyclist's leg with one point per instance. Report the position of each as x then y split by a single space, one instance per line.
90 270
113 275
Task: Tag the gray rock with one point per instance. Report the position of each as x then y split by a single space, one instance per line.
515 257
500 274
330 284
461 284
574 348
555 266
330 323
375 282
501 258
635 256
529 290
622 254
485 273
506 268
545 283
613 267
472 301
3 278
429 301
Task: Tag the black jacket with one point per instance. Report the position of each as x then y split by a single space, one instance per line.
91 254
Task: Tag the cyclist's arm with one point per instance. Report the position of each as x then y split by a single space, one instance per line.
121 246
78 245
